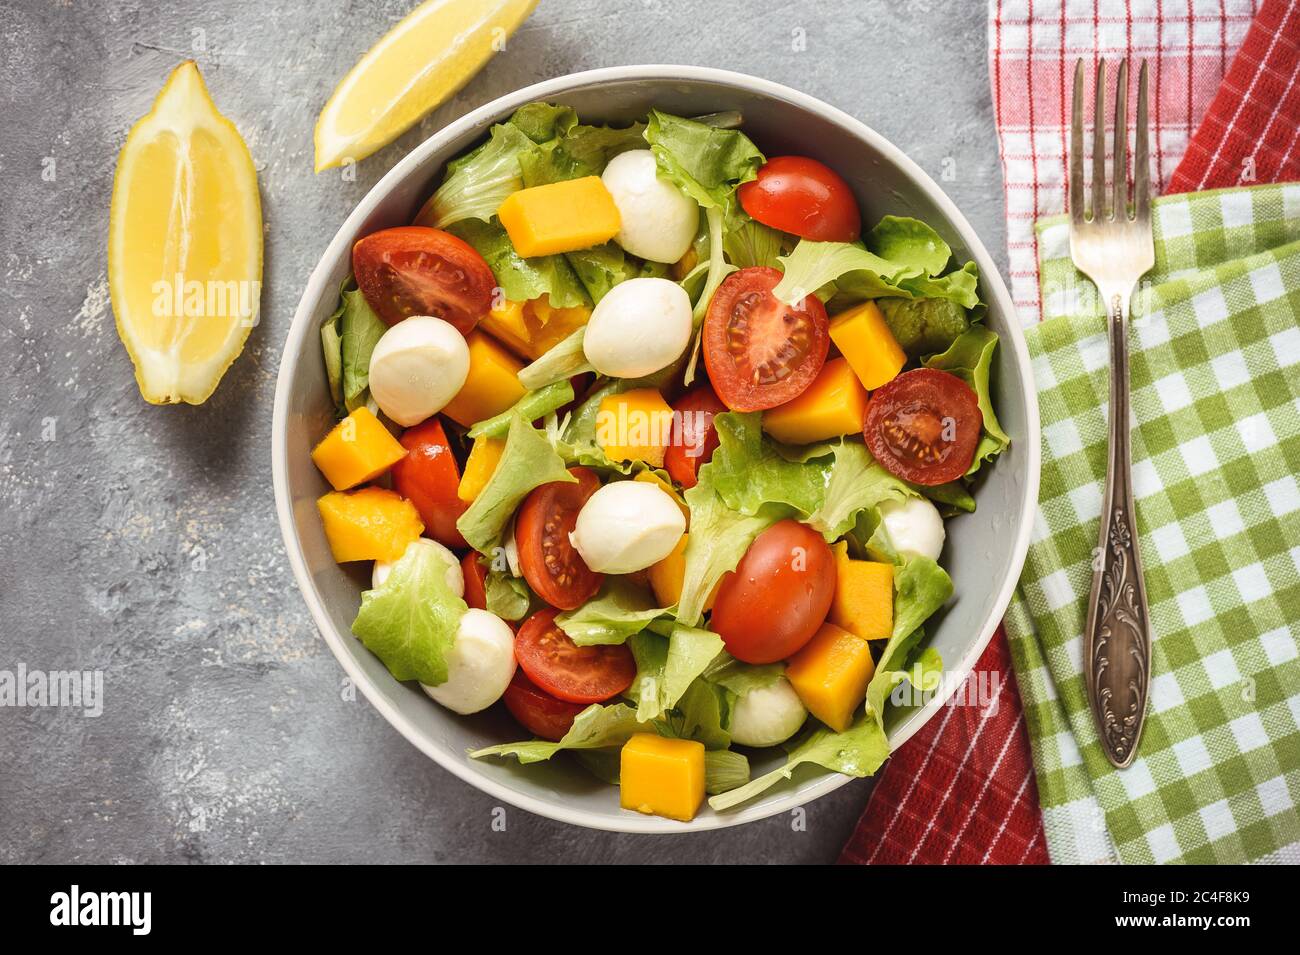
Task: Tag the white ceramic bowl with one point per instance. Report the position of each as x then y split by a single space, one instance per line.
985 550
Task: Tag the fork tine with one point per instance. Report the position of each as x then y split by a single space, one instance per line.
1120 178
1099 147
1141 160
1076 198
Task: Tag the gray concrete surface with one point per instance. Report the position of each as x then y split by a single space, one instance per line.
142 542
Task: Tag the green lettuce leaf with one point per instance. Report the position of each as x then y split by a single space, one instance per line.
920 588
602 267
521 279
960 286
856 482
331 343
718 269
703 714
359 331
749 243
749 471
954 495
535 404
911 243
923 326
528 460
706 162
667 666
858 751
724 769
475 185
506 596
971 359
578 151
902 258
620 610
410 622
742 678
594 728
564 360
543 122
719 538
813 266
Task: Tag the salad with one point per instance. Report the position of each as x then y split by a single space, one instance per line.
651 444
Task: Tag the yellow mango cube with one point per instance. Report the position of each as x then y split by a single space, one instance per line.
635 426
649 477
864 595
507 325
480 466
834 404
531 329
492 385
865 340
661 776
372 523
357 449
666 577
560 217
831 674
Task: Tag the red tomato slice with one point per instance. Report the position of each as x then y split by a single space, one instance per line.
800 195
475 581
551 565
415 270
778 596
760 352
694 437
537 711
924 426
573 673
428 477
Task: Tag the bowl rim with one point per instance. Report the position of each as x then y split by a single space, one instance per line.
301 326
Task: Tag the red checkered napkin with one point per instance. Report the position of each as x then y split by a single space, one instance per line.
1033 45
961 790
1251 133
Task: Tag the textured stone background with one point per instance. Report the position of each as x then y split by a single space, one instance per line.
142 541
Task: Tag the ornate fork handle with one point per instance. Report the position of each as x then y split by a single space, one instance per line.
1117 639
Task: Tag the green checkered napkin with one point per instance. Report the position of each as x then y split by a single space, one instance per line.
1215 352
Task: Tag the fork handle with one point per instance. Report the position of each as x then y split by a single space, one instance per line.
1117 639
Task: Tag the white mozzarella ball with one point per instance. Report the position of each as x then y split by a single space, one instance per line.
480 664
768 715
627 526
417 366
658 221
913 527
639 327
455 576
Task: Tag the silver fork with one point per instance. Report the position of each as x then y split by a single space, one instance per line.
1112 245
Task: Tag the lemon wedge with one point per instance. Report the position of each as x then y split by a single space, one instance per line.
417 65
184 243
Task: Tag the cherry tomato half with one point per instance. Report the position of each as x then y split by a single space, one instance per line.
694 437
415 270
778 595
760 352
563 669
428 477
551 565
475 581
923 426
800 195
537 711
